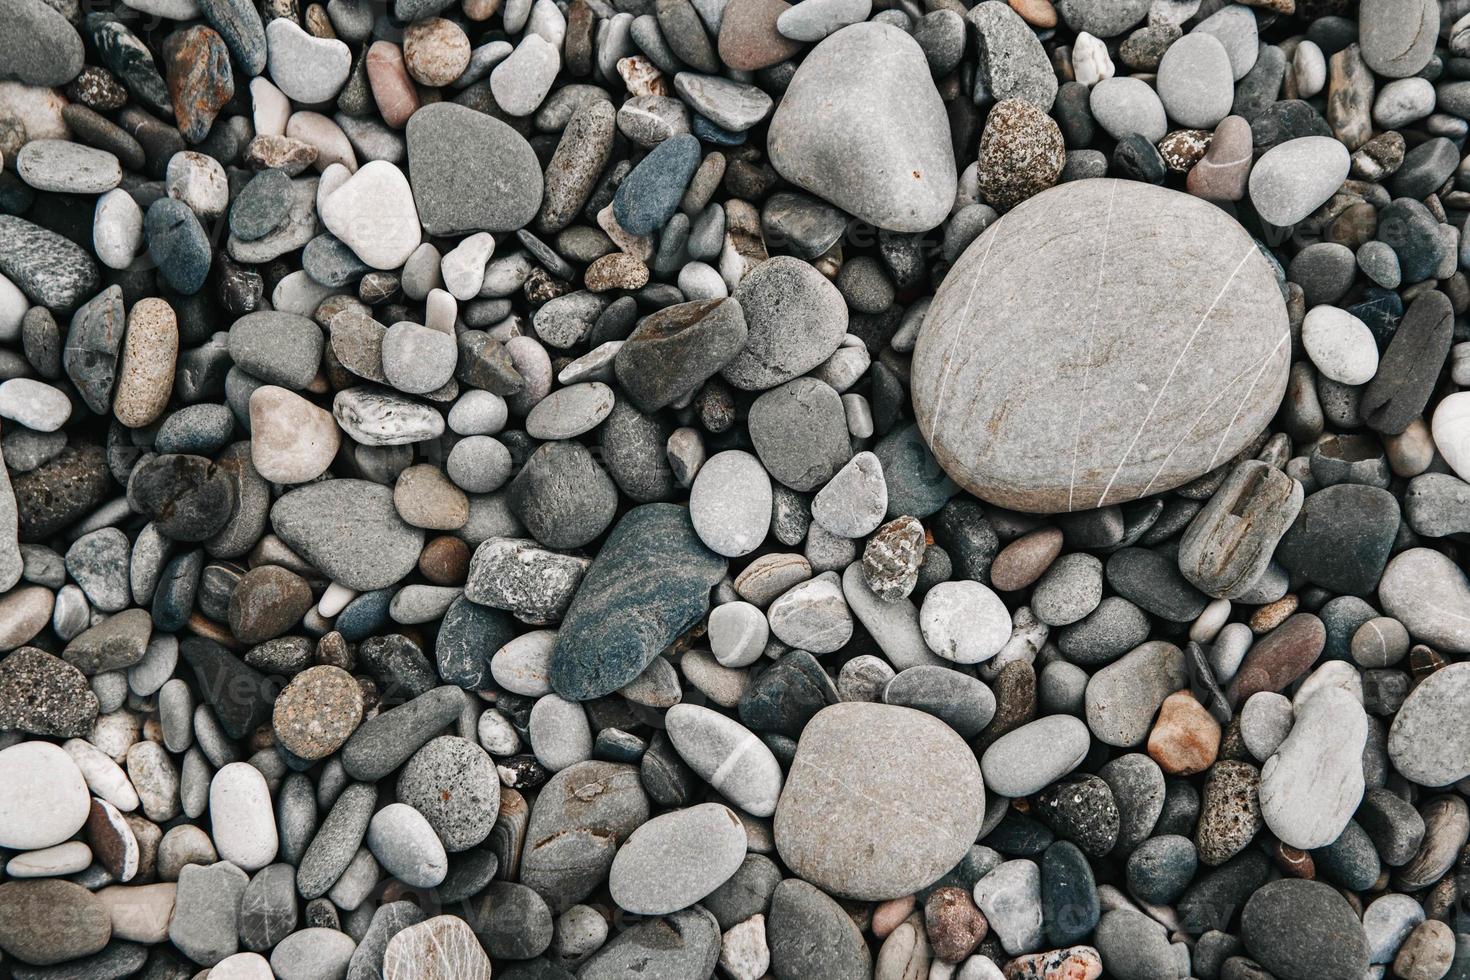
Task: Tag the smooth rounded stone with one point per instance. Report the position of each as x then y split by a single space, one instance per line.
1049 454
1428 593
277 347
520 82
962 702
1195 81
418 359
1292 179
726 755
887 127
853 502
350 531
177 244
436 949
311 953
676 859
49 921
1133 946
66 167
1161 868
685 944
1103 20
206 911
1314 781
452 782
1070 589
242 817
580 817
51 270
1123 696
46 799
373 213
648 197
1450 426
1301 929
812 409
559 733
812 615
291 440
964 622
470 171
1427 740
571 411
513 922
795 319
406 846
479 464
1010 897
1034 755
317 712
308 69
1340 345
98 563
564 498
811 935
40 48
268 906
862 759
1265 721
34 404
1124 105
1398 36
1021 154
812 22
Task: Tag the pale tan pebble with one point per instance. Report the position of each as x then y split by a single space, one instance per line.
24 612
639 246
318 24
145 377
270 107
332 145
1411 451
435 51
642 77
618 270
889 915
480 10
291 440
140 913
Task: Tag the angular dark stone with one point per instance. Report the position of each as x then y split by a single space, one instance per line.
92 343
649 584
187 497
240 695
787 694
1410 366
62 491
1342 538
675 350
52 270
468 636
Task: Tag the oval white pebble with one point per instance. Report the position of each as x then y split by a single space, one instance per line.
1340 345
242 817
43 798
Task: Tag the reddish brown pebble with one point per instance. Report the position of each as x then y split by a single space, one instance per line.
445 560
1294 861
748 37
1038 13
393 90
112 841
889 915
1279 657
1023 561
955 925
1183 148
1186 738
200 82
267 602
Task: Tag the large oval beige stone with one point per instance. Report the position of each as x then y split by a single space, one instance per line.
1103 341
880 801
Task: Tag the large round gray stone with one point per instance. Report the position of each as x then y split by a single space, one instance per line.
862 125
1104 340
880 801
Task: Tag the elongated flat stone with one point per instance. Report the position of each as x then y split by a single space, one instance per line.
1102 341
1228 545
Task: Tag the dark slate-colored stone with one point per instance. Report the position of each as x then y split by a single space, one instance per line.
1069 903
648 584
240 695
468 635
1342 537
787 694
1410 366
648 197
1304 930
1153 582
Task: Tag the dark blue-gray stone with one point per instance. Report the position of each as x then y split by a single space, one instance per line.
202 430
329 261
239 24
1214 898
93 340
173 599
1018 835
468 636
1302 930
1341 538
53 271
1069 905
365 615
648 197
1350 861
177 244
1161 868
917 486
124 53
38 46
648 585
787 694
240 695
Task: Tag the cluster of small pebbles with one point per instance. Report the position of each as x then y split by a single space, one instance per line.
664 489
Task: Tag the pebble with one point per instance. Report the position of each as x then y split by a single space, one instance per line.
829 775
373 213
242 818
964 622
1292 179
46 799
1426 737
676 859
1035 754
1196 81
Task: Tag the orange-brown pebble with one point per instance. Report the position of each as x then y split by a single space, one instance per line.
1070 963
954 924
480 10
445 560
1273 614
889 915
641 76
749 40
1023 561
1038 13
1186 738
